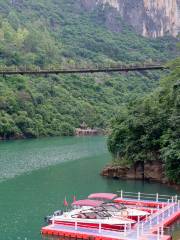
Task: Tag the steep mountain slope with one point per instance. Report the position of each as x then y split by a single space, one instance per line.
60 33
149 18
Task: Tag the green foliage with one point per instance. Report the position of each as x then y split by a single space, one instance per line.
51 33
150 128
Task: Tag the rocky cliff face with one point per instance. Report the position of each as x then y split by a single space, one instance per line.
150 18
152 171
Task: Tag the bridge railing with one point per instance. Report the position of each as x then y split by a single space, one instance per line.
4 70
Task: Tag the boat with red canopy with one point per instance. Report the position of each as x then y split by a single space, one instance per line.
93 216
87 202
99 209
103 196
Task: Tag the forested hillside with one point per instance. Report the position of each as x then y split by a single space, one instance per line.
59 34
149 130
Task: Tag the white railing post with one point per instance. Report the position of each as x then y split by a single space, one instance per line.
150 222
139 196
162 232
138 219
158 219
157 197
142 228
121 194
158 234
125 229
75 225
172 199
138 231
53 220
100 228
163 215
174 208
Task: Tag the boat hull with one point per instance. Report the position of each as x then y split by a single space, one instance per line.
136 218
104 226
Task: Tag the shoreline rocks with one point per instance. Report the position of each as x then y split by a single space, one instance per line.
153 171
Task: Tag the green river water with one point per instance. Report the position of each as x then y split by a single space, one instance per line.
36 175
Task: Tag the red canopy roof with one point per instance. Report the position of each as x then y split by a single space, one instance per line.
107 196
87 202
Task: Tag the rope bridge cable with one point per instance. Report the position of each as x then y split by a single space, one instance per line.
130 68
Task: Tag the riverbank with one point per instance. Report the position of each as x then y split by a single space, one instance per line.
152 171
75 132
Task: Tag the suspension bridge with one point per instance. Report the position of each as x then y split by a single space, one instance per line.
71 70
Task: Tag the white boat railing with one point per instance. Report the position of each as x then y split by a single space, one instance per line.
77 224
148 196
154 222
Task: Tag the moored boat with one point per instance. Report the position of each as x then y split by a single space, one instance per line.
92 217
131 213
99 210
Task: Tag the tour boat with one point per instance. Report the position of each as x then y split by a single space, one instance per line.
103 213
131 213
92 217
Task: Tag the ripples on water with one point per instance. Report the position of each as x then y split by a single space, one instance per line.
19 157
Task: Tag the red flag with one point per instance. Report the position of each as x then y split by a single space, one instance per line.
65 202
74 199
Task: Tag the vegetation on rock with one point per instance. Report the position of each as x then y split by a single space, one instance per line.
149 129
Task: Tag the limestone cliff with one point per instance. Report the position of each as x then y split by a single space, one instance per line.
150 18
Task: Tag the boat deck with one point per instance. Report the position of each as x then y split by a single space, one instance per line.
80 233
152 228
86 233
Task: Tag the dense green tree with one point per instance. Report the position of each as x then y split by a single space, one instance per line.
150 128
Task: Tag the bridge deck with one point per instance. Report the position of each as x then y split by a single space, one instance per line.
70 70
